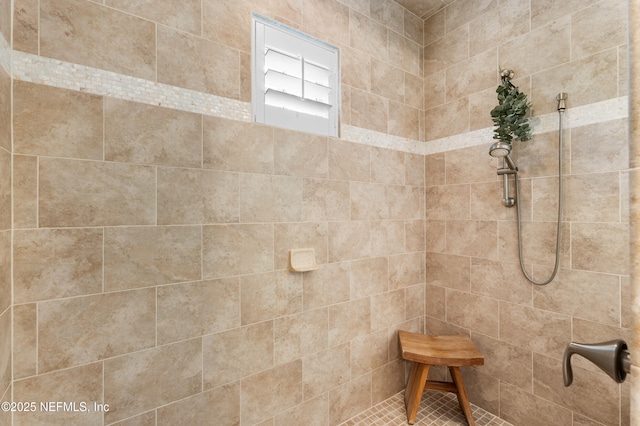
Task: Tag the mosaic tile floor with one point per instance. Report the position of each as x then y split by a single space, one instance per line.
436 409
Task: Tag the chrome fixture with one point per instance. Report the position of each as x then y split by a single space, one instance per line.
611 357
503 150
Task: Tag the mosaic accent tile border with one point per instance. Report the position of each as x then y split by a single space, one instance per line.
42 70
436 409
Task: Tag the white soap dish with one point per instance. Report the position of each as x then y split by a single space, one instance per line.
302 260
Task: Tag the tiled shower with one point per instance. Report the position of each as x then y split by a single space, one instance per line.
145 222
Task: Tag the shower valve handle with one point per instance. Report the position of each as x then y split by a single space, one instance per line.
612 357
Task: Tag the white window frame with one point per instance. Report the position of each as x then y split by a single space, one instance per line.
296 79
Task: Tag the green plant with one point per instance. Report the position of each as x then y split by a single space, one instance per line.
509 115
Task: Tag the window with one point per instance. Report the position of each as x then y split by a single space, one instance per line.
296 82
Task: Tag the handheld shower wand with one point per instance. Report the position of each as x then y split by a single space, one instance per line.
503 150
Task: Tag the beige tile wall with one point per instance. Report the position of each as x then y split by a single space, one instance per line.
474 284
156 273
161 272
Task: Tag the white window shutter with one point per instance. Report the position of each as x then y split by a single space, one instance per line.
296 82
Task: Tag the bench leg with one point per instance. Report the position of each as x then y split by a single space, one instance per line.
463 399
415 388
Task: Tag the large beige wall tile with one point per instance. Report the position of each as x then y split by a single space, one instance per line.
459 13
300 335
387 80
471 75
146 256
600 247
90 328
474 312
237 353
450 202
356 68
448 271
445 120
147 134
435 169
545 11
270 295
228 22
25 341
25 25
469 165
540 331
404 121
6 376
349 161
109 194
270 392
473 238
5 190
508 21
388 13
349 240
327 19
236 249
369 111
182 15
326 286
237 146
369 201
195 309
387 237
387 309
368 36
415 301
314 412
25 191
446 51
592 198
582 294
80 384
192 196
590 155
221 404
349 399
414 231
500 280
349 320
268 198
5 270
405 53
434 23
369 352
5 110
50 263
387 381
85 33
406 270
598 27
387 166
434 90
300 154
57 122
193 63
325 370
325 200
522 407
552 41
156 376
369 277
510 364
578 78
